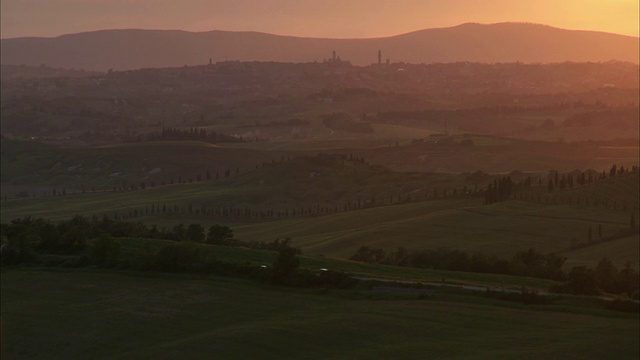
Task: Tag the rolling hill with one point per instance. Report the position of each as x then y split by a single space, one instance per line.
503 42
326 206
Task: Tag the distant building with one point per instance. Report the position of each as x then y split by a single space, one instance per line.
335 59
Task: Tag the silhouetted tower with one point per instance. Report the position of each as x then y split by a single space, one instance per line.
334 55
379 57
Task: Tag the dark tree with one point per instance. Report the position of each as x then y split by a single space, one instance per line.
581 281
195 232
219 234
179 232
605 275
286 263
105 251
600 232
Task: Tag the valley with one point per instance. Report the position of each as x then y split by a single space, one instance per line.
259 206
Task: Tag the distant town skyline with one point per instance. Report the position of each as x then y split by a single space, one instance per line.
308 18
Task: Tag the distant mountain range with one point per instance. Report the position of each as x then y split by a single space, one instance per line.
134 49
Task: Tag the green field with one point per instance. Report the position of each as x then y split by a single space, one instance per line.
104 315
619 251
500 229
459 222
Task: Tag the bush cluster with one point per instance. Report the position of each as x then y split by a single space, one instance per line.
30 240
524 263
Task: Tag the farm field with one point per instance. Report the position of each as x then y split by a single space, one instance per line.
462 223
619 251
500 229
54 313
458 222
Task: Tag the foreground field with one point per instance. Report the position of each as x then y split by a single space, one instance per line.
104 315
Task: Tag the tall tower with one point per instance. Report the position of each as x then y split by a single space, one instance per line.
379 57
334 55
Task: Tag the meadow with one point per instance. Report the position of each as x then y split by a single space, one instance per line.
61 313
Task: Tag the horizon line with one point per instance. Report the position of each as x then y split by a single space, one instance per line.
316 37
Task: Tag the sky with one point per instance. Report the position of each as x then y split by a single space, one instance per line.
308 18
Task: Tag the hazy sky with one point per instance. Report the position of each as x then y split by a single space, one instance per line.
311 18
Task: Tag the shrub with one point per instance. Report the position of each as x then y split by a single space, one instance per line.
178 258
105 252
286 263
14 251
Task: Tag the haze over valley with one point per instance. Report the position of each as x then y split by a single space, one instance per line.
238 194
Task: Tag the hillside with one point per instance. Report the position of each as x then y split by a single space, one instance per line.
29 165
504 42
30 168
332 207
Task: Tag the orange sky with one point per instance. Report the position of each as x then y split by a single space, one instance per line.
311 18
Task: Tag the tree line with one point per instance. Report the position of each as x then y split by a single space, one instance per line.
531 263
605 277
193 134
583 178
89 243
249 213
503 189
525 263
70 236
500 190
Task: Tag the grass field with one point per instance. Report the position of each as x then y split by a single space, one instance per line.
619 251
84 314
501 229
294 184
